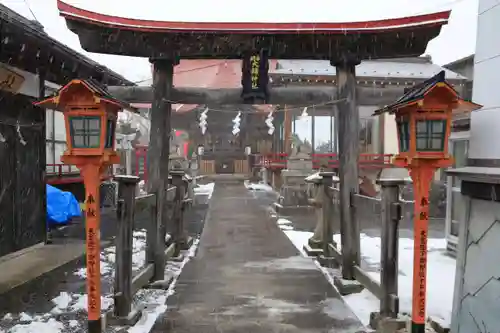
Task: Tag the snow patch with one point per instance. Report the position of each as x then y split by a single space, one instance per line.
282 221
142 188
154 301
50 326
205 189
441 270
258 186
284 224
299 239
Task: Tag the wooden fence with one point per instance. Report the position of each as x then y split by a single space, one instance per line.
166 206
387 213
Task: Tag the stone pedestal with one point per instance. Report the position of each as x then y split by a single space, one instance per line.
294 191
178 162
477 286
316 202
193 169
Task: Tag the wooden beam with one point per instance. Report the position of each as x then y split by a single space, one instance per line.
289 95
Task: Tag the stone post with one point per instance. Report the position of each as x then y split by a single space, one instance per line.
390 216
293 191
327 218
314 246
194 169
178 232
124 248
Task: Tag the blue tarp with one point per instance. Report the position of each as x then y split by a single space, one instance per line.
61 206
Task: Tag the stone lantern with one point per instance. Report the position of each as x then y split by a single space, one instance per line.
90 115
423 117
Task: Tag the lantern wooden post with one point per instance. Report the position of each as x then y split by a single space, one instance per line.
90 116
423 117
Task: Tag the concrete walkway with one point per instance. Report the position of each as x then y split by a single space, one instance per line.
247 277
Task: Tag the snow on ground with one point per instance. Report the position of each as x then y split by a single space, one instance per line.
316 176
153 301
440 271
142 188
258 186
205 189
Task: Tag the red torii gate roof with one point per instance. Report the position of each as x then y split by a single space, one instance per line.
73 12
387 38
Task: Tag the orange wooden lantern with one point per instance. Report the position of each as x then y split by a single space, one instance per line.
90 116
423 116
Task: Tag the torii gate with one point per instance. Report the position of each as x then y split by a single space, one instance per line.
343 44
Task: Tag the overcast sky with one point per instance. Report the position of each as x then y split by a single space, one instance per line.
456 40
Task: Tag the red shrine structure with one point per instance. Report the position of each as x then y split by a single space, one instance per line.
344 44
165 43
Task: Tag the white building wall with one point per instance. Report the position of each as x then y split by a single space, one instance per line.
476 305
390 134
484 123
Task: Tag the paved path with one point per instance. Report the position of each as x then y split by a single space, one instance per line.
247 277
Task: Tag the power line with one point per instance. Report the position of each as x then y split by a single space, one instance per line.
332 102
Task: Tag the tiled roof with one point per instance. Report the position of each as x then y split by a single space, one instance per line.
94 86
385 69
415 93
418 91
206 74
101 91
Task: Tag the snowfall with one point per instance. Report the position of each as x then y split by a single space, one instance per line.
152 302
441 270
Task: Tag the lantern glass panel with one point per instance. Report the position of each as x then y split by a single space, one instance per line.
110 133
85 131
404 136
430 135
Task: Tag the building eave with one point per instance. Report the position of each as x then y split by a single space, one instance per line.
460 61
25 36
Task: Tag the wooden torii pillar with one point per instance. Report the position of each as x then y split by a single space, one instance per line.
288 131
348 137
159 138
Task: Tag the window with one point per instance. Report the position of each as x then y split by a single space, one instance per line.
455 206
460 152
456 212
430 135
85 131
110 130
404 136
